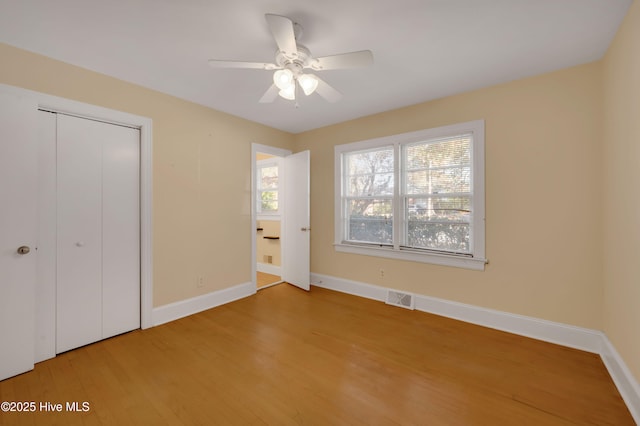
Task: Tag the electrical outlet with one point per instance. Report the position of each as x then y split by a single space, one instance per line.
381 273
200 282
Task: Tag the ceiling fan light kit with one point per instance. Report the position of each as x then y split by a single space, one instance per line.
288 92
283 79
309 83
292 58
286 81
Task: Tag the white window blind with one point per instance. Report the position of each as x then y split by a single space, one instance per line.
437 195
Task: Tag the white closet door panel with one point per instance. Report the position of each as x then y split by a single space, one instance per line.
79 209
46 261
120 230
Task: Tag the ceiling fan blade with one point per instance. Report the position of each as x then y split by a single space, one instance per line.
270 95
281 28
362 58
215 63
326 91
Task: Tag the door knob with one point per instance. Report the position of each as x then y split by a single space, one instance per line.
23 250
305 229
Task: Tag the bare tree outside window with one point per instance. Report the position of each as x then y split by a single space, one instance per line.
369 188
416 196
435 196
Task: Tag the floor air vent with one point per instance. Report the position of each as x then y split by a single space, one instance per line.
399 298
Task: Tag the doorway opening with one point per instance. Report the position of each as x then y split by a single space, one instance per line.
267 214
269 202
280 215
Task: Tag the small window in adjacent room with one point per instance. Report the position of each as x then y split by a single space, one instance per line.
416 196
267 188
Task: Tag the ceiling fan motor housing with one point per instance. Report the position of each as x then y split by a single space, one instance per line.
295 62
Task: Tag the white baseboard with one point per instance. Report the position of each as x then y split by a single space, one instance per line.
623 378
553 332
562 334
355 288
183 308
268 269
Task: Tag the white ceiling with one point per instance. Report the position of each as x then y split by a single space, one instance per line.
423 49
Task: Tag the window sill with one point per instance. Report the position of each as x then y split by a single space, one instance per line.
475 264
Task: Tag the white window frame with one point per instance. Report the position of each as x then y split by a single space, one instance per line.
274 214
476 259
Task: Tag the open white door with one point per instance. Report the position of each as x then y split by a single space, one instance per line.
18 233
296 225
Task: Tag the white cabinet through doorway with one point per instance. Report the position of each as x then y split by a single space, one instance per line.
98 231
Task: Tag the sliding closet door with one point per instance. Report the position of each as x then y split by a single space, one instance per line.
98 276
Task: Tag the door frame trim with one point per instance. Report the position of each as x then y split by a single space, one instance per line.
255 149
145 125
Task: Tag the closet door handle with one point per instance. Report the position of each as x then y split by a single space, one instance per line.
23 250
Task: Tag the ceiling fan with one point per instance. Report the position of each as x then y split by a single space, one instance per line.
291 61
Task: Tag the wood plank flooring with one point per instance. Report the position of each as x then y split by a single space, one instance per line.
286 357
263 279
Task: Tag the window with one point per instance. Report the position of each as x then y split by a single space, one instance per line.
416 196
267 187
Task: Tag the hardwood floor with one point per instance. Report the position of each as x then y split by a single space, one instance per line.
263 279
285 356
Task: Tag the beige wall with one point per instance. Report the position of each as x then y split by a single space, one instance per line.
543 198
622 190
201 173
